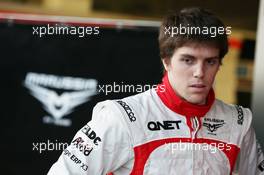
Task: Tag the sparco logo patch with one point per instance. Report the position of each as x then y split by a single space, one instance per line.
240 115
76 91
165 125
91 134
261 166
128 110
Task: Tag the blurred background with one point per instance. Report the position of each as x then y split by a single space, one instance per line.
50 83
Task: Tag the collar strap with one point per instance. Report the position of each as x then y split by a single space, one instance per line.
179 105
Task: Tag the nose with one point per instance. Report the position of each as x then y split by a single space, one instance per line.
198 71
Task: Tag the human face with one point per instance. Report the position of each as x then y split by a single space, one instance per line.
192 70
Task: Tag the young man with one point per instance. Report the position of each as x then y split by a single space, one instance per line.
177 128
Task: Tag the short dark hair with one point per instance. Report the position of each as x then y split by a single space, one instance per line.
191 17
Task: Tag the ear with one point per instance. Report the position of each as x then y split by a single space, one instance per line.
166 63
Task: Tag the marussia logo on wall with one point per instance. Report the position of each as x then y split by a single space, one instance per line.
58 106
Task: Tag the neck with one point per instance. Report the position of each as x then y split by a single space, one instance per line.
174 102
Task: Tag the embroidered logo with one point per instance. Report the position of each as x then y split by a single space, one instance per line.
240 115
212 127
213 124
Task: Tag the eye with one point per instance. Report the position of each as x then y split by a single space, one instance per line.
187 60
212 61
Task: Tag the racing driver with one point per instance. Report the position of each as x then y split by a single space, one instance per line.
176 128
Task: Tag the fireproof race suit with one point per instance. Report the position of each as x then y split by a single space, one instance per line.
158 133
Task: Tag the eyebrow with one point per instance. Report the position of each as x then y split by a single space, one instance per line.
188 56
193 57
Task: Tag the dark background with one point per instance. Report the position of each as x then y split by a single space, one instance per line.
128 56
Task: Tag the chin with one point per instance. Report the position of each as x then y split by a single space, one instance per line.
198 99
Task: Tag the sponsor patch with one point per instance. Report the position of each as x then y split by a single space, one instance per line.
240 116
261 166
164 125
128 110
213 124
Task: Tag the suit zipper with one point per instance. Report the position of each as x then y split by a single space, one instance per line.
195 126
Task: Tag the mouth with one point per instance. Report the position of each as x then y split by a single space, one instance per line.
198 87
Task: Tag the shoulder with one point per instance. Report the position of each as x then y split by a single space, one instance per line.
108 116
240 112
241 116
136 104
123 111
132 112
